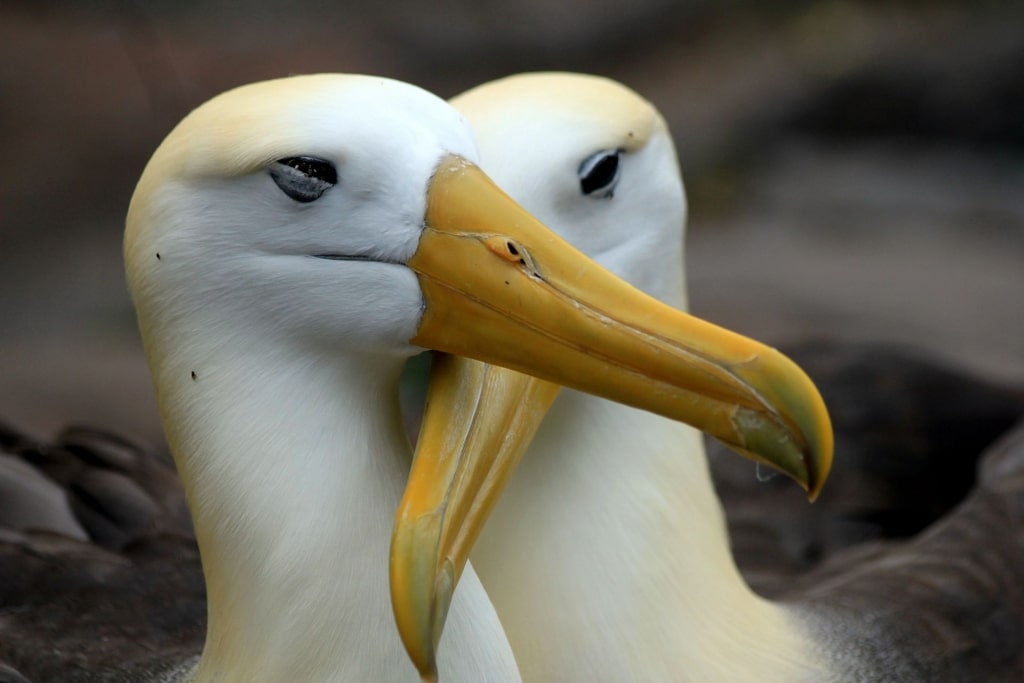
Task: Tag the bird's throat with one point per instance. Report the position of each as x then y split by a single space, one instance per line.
293 471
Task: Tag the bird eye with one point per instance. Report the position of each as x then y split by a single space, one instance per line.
304 179
599 174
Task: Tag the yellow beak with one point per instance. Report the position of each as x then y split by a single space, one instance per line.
499 287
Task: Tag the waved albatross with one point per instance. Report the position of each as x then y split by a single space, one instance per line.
567 147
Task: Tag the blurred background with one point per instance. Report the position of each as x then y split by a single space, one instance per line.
855 170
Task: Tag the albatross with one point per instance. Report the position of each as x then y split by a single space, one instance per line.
607 556
266 247
288 246
600 162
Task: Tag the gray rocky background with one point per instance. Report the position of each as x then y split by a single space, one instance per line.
855 170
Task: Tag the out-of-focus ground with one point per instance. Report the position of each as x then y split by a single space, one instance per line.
854 171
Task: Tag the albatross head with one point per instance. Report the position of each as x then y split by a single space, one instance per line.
597 161
288 209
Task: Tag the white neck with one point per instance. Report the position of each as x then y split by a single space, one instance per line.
293 468
608 559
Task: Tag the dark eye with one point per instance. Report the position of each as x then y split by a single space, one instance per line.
599 173
304 179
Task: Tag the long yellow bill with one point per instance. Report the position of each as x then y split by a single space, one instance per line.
500 287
